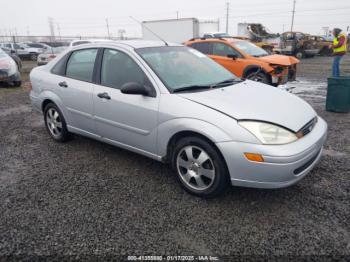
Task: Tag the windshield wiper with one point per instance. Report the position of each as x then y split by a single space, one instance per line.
198 87
192 87
226 82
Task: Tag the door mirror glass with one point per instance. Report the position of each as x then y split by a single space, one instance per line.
133 88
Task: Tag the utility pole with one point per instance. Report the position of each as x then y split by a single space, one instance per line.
177 14
59 30
227 15
107 24
52 29
293 14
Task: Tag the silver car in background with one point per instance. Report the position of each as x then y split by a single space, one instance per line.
174 104
49 54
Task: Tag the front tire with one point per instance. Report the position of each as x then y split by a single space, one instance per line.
55 123
258 77
200 168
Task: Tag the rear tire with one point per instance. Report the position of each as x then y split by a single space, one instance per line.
55 123
200 168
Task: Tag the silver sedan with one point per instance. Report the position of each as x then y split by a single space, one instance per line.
174 104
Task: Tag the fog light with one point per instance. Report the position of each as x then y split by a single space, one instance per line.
254 157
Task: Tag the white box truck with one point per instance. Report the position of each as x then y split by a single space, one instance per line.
178 30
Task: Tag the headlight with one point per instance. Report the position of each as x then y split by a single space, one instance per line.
268 133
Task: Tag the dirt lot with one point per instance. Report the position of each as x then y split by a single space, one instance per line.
87 199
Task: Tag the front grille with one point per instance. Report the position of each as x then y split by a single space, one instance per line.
307 128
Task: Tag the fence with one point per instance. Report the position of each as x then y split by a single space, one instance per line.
46 38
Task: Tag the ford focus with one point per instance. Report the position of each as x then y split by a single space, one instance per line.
174 104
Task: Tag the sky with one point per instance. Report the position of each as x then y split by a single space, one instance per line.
88 18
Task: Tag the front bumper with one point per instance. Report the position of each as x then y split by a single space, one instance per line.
284 164
4 77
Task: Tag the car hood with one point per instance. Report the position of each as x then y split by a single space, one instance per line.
255 101
280 60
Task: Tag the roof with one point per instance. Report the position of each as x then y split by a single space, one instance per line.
212 39
131 44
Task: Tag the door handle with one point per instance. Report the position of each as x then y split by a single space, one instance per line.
63 84
104 95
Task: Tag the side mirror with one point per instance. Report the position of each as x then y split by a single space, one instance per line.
233 56
133 88
13 51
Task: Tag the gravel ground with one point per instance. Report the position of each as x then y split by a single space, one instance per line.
85 199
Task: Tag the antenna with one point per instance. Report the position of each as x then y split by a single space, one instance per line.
143 25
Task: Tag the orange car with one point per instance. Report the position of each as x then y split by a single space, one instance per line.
247 60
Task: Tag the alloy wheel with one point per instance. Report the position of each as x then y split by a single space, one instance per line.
53 122
195 167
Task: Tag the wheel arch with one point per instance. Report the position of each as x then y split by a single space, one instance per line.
186 133
253 68
47 97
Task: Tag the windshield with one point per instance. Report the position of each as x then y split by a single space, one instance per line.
250 49
180 67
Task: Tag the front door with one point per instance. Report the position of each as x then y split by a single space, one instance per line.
124 119
220 52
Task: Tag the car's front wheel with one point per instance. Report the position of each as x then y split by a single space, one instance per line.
258 77
55 123
200 168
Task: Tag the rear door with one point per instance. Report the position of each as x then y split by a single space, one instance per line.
76 89
123 119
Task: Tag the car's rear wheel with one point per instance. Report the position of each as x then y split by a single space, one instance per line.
200 169
55 123
258 77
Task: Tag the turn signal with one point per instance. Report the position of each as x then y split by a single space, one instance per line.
254 157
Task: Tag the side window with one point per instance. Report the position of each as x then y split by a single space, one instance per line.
118 69
8 45
202 47
220 49
81 63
